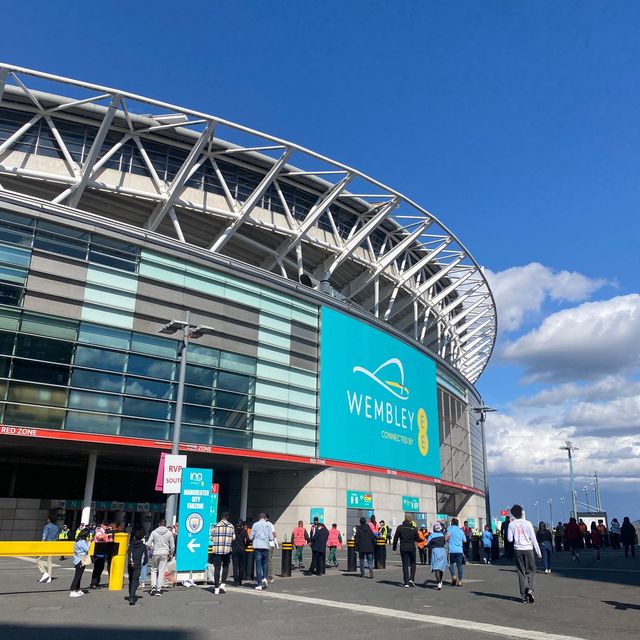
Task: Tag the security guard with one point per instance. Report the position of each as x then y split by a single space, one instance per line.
63 535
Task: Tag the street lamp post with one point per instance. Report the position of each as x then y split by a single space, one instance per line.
189 332
550 513
564 513
585 490
569 448
482 411
535 504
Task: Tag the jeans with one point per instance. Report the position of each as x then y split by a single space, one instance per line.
408 565
262 564
369 557
455 559
77 577
143 573
546 548
238 560
526 570
158 564
220 564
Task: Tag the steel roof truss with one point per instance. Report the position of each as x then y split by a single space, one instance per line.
19 133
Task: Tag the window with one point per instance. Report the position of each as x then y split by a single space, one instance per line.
149 388
238 363
154 345
203 355
147 409
101 402
100 359
199 415
199 375
11 295
49 326
6 342
63 240
198 395
35 394
235 401
40 372
96 334
145 429
114 253
234 382
151 367
29 416
230 419
96 380
43 349
92 423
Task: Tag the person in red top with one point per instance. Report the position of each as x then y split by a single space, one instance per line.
573 535
468 534
596 540
373 525
300 538
334 541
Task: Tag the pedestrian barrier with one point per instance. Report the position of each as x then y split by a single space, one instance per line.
287 552
351 555
118 561
380 554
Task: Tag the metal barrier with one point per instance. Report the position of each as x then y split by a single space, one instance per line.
352 564
380 554
287 552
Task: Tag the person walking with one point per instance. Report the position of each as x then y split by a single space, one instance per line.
318 544
543 536
508 547
162 544
559 536
455 537
487 542
523 536
363 545
101 535
422 544
273 545
628 537
573 537
438 554
80 560
408 536
614 534
261 536
596 540
300 539
45 563
137 557
238 552
334 541
466 545
221 540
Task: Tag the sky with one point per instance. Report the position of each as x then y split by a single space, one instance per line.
516 123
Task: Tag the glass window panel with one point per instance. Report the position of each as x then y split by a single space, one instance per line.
15 235
232 438
104 336
43 349
40 372
56 244
226 400
234 382
27 416
95 401
197 395
145 429
230 419
9 319
92 423
49 326
3 390
149 388
199 375
200 435
199 415
152 367
146 409
11 295
203 355
4 367
12 275
238 363
15 256
154 345
100 359
96 380
32 394
6 342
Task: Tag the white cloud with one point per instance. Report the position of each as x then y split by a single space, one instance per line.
586 342
522 290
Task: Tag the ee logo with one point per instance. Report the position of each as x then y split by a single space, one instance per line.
423 438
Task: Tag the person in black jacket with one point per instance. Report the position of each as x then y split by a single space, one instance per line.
239 551
318 544
364 543
628 536
407 534
137 556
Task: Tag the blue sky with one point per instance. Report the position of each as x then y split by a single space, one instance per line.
515 122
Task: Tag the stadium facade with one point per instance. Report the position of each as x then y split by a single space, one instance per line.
349 324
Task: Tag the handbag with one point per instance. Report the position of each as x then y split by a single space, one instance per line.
85 561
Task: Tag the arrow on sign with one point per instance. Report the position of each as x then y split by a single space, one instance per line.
192 545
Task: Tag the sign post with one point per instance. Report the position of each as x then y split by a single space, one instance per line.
194 519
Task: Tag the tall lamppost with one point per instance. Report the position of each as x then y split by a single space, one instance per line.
482 411
189 332
585 490
564 513
569 448
597 491
550 513
535 504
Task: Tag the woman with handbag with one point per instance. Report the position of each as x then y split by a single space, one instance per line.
81 560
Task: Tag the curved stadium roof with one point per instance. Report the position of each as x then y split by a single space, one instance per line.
275 205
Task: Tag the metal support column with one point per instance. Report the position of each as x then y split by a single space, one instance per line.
244 492
88 488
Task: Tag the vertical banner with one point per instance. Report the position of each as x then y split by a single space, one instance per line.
173 466
160 474
215 489
194 519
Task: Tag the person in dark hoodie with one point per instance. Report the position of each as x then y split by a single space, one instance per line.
137 557
408 535
318 544
239 552
628 536
364 543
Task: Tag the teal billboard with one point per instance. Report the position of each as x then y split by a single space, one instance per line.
378 400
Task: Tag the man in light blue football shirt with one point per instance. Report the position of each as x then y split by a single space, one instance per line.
456 538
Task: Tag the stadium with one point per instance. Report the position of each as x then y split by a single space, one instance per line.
340 327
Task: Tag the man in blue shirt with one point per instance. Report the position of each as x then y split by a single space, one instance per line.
49 534
456 538
261 536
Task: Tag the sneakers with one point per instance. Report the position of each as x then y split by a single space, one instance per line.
158 593
454 581
271 580
530 597
76 594
45 577
153 591
223 588
258 587
371 574
439 587
216 591
265 584
459 583
49 579
405 585
412 583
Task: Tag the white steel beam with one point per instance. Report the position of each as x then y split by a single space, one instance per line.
19 133
251 202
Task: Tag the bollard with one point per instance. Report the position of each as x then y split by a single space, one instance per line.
249 573
495 549
118 561
380 554
285 566
352 564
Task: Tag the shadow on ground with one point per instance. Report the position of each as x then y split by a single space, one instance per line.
69 632
621 606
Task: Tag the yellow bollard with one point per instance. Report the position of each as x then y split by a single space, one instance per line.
118 562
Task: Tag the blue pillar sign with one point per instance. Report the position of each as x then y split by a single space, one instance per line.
194 519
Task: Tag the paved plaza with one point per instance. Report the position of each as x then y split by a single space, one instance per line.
588 600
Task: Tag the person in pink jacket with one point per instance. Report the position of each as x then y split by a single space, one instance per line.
333 541
300 538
